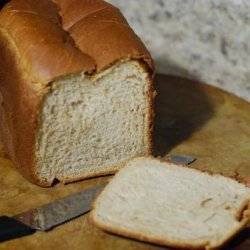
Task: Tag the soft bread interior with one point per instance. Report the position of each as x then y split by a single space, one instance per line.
93 125
172 205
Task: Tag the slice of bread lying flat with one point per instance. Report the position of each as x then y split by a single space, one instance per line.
172 205
75 89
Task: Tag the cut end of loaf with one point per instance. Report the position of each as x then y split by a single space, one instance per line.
91 126
172 205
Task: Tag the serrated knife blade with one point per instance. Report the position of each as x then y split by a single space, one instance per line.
181 159
53 214
50 215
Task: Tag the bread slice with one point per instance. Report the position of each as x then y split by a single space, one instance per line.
172 205
75 89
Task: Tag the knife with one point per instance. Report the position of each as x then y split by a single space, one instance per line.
48 216
60 211
180 159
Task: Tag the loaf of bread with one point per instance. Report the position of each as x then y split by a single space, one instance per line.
75 88
172 205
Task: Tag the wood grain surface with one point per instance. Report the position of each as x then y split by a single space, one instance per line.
191 118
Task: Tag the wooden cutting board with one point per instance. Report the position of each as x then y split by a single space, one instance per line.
191 118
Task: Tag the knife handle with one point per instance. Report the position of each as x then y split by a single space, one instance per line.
3 3
11 229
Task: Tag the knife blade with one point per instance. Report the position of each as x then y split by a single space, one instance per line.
180 159
60 211
48 216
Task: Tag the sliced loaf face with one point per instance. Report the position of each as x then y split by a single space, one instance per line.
91 126
172 205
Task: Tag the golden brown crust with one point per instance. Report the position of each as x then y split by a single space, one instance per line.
101 36
89 21
47 52
117 40
42 8
151 113
236 176
20 100
115 44
41 40
74 11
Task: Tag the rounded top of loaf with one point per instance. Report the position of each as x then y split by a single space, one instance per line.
61 37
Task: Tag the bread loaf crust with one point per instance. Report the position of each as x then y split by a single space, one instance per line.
43 40
20 100
100 30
